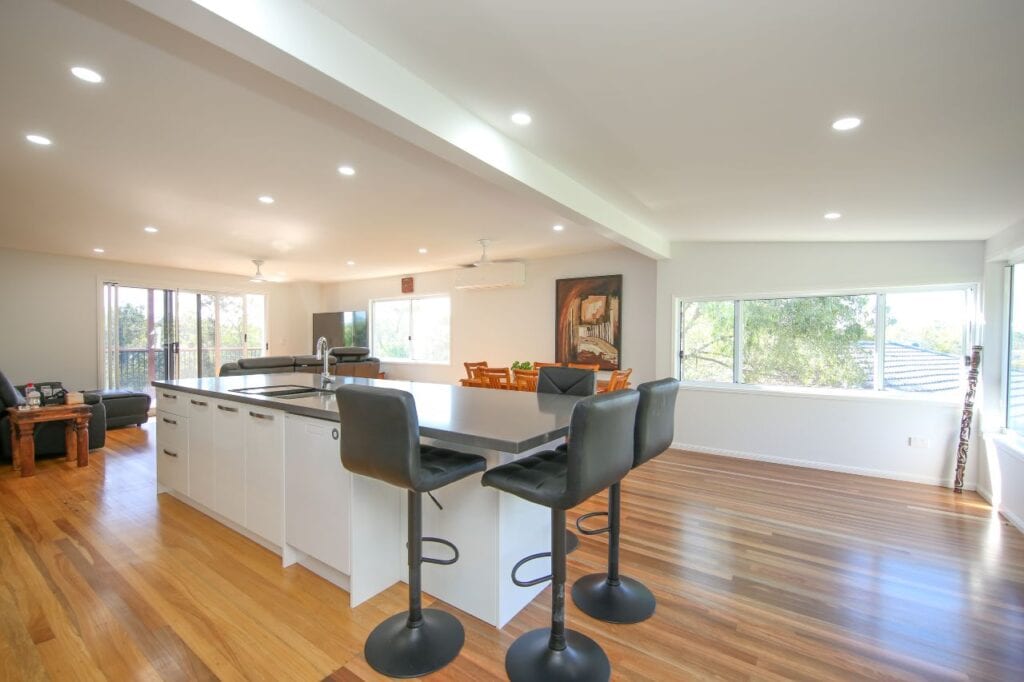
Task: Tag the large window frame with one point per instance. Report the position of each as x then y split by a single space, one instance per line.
374 340
878 390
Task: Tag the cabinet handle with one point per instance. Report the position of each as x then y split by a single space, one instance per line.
262 416
169 453
200 403
226 408
169 421
169 396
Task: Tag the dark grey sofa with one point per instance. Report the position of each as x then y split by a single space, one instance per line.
124 408
352 361
49 436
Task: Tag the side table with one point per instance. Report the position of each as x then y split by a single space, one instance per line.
23 428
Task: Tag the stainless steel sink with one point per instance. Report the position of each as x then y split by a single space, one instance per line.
285 391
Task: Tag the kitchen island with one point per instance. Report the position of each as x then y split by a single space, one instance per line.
261 454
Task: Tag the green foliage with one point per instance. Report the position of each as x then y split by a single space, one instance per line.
811 341
526 364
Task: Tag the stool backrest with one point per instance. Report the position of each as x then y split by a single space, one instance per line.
655 419
600 448
566 381
380 434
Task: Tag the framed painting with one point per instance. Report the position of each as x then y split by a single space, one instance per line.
588 320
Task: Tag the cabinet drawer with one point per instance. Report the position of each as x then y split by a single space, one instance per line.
171 430
172 451
174 402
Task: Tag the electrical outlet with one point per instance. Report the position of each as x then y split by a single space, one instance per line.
917 442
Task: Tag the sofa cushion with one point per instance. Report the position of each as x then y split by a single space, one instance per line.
311 361
271 362
9 396
350 353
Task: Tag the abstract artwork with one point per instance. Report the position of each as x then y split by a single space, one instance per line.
588 320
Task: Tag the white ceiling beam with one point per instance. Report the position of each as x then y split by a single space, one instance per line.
296 42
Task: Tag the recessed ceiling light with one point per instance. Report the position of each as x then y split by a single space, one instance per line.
351 262
151 229
521 118
848 123
346 170
35 138
422 250
833 216
266 199
558 228
86 74
99 250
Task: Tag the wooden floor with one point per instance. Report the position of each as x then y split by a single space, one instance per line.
761 572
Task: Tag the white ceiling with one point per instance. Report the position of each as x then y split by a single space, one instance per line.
710 118
185 136
705 119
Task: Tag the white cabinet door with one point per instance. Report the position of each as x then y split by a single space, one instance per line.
264 473
200 442
172 451
229 460
318 492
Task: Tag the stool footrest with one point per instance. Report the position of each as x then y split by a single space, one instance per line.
595 531
443 562
534 581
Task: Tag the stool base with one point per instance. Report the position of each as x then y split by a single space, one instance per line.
396 650
529 659
628 602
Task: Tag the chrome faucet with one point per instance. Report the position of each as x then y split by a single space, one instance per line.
324 353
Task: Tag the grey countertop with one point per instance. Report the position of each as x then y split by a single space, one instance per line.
507 421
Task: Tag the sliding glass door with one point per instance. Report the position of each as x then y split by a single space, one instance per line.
158 334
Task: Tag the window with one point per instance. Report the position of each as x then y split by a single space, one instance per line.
908 341
411 329
1015 361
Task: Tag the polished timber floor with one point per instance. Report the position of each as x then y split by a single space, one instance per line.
761 572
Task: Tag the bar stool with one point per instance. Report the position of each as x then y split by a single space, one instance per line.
599 454
612 597
567 381
380 439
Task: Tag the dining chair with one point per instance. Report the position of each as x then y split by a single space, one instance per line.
582 365
496 377
618 380
526 379
471 368
538 365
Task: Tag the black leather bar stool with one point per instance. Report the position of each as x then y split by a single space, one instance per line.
380 439
599 453
567 381
612 597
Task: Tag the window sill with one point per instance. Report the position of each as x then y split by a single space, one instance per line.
819 393
1009 443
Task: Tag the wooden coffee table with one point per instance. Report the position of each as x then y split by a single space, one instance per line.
23 428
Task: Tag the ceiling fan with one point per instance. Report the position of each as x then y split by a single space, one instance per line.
484 260
258 278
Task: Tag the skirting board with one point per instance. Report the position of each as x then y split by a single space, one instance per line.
826 466
1015 521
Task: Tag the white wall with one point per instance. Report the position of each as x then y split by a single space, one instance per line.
503 325
1000 456
856 434
50 309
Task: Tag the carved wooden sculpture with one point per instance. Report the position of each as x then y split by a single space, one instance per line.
966 419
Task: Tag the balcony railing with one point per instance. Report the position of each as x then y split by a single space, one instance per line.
136 372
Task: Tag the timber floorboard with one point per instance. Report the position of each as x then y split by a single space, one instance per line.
761 572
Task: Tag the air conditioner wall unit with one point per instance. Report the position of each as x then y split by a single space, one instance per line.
491 276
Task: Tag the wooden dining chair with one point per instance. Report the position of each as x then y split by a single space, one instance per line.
496 377
538 365
526 379
618 380
471 368
581 365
